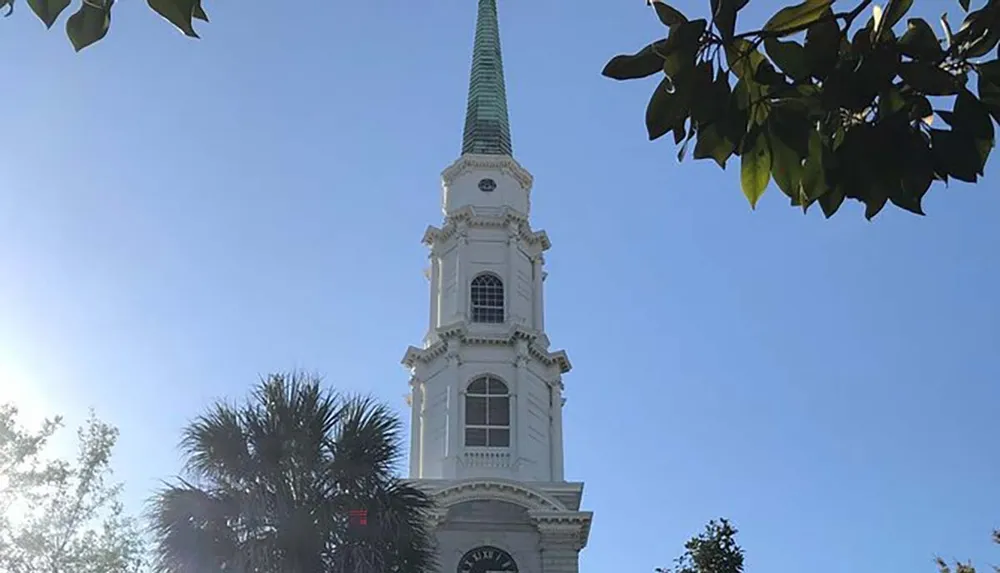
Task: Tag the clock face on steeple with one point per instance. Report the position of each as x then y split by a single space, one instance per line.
487 185
487 560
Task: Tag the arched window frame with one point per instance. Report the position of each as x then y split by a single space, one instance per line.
487 412
487 299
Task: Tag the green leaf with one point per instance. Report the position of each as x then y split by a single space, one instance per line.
755 166
786 163
47 10
643 63
743 58
982 45
685 37
789 56
894 12
874 202
794 18
88 25
664 112
667 14
711 97
814 169
955 155
916 176
971 117
177 12
199 12
711 144
724 16
964 4
989 96
822 46
830 201
928 79
919 42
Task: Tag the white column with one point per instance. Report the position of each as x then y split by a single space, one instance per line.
435 318
536 275
557 431
462 268
509 275
456 432
416 426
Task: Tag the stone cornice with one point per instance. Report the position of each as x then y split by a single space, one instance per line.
460 331
567 528
494 489
503 217
473 162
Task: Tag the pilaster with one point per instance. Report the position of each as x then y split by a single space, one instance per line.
561 539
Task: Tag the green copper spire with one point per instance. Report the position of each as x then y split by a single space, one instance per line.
487 129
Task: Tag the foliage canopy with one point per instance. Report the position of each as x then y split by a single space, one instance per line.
92 18
827 108
60 517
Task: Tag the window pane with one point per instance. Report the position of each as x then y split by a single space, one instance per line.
475 436
499 438
478 387
496 387
499 412
475 411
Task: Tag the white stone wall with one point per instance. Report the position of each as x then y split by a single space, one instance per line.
463 189
438 416
492 523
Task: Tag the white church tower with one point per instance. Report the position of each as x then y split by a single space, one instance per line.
486 389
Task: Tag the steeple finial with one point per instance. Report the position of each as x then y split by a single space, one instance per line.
487 129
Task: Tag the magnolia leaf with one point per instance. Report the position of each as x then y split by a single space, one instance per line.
894 12
814 184
823 46
177 12
88 25
199 12
989 96
47 10
955 155
663 113
928 78
789 56
795 18
755 166
830 201
971 117
643 63
786 164
724 16
743 58
711 144
667 14
919 42
982 45
874 201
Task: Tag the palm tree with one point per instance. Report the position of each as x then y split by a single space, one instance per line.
294 480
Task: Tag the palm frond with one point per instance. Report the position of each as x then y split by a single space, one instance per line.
276 477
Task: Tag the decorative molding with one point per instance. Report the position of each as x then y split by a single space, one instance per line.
459 332
569 529
498 490
475 162
458 222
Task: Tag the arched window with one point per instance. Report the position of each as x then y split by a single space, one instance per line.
487 299
487 413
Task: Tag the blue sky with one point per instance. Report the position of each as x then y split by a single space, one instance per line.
178 217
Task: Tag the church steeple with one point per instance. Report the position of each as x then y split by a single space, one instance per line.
487 129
